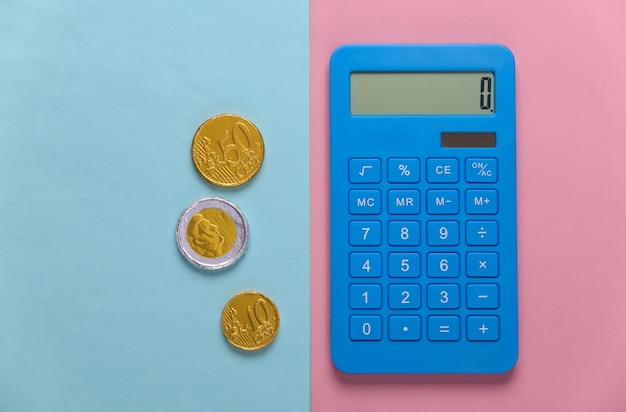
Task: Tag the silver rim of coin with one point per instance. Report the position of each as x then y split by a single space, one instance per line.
230 257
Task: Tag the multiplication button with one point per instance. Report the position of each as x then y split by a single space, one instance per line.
482 264
364 171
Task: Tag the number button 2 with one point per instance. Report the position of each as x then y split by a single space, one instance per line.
404 296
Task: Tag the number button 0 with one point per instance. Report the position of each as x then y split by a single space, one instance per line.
365 296
443 296
404 265
404 296
365 265
366 328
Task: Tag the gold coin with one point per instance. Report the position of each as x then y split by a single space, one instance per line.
211 232
227 150
250 320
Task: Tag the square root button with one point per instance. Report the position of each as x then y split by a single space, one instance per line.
364 171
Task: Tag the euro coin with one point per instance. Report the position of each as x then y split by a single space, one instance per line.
212 233
227 150
250 320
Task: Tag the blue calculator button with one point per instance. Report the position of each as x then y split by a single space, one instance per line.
486 328
442 202
366 327
365 296
403 202
443 296
483 264
443 233
365 170
481 202
404 265
405 328
365 233
442 170
404 233
444 328
404 296
481 170
482 232
365 202
405 170
443 265
482 296
365 265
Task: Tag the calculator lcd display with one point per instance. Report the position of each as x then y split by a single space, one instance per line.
422 93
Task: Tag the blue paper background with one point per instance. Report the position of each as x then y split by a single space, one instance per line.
99 102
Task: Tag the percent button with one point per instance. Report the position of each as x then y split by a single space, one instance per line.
403 170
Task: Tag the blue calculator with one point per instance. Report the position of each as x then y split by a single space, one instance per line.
423 233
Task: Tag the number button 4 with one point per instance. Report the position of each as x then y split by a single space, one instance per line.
365 265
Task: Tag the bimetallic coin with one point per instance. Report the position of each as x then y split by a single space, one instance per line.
212 233
227 150
250 320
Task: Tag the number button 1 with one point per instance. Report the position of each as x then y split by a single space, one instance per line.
365 296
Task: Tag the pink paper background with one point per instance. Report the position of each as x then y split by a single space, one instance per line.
571 100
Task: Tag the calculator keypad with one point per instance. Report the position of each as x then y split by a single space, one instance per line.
423 251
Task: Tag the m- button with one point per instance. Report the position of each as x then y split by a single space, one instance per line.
442 170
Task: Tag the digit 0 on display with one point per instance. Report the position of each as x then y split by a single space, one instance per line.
423 227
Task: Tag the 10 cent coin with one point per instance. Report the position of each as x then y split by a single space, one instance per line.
227 150
212 233
250 320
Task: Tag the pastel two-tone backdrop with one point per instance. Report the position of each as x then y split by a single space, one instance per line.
98 106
